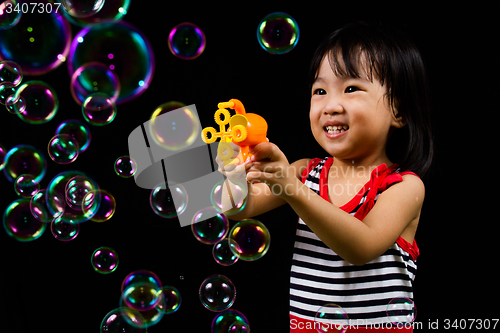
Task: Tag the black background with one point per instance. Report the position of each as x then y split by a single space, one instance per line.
48 285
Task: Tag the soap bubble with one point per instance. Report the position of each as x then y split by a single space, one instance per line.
39 42
25 159
209 226
3 152
78 131
331 318
278 33
251 239
40 203
10 72
64 230
121 48
99 205
8 20
15 104
170 300
91 78
223 254
174 128
217 293
63 149
140 290
186 41
39 100
76 190
224 320
98 109
123 319
7 89
58 186
94 77
104 260
401 310
168 201
112 10
125 166
26 186
78 8
20 224
237 197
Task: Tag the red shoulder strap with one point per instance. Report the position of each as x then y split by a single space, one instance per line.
312 164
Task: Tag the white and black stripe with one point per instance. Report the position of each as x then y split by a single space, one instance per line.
319 276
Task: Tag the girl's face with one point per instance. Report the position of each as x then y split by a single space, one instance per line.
350 117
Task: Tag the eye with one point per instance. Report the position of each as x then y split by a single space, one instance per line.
351 89
319 91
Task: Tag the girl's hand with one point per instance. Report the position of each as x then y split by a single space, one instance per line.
269 165
233 168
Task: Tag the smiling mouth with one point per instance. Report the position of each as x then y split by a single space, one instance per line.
336 129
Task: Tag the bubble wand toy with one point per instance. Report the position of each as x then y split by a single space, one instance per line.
245 129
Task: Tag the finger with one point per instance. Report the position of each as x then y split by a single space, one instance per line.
262 151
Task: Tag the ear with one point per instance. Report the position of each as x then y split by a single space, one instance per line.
398 119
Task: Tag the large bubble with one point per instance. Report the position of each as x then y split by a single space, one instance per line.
278 33
20 224
40 41
186 41
120 47
38 101
25 159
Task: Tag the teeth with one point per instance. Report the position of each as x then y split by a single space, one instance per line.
337 129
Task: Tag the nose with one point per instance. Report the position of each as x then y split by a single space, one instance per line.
332 105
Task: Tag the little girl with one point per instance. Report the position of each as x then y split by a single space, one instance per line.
359 207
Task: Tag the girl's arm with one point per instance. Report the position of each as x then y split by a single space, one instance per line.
260 198
357 242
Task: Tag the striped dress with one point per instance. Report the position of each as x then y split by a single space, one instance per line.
319 276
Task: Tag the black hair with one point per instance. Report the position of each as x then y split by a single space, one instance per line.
397 63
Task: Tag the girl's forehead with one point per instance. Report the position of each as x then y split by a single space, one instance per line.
336 66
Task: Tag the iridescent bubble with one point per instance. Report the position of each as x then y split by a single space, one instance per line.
237 196
209 226
168 201
39 42
331 318
217 293
223 254
99 205
14 104
98 109
40 102
104 260
251 239
125 166
7 89
239 327
63 149
76 190
401 311
91 78
26 186
224 320
174 128
122 48
151 316
123 319
8 16
3 152
112 10
10 72
57 186
25 159
170 300
186 41
78 8
78 131
39 206
278 33
140 290
64 230
20 224
141 276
